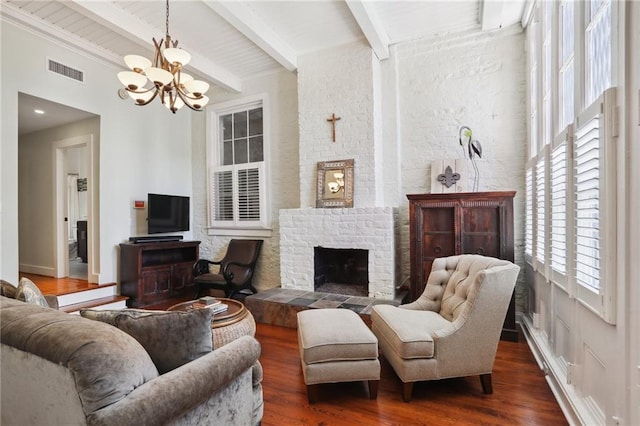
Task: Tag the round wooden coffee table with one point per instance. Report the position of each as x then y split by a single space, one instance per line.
226 326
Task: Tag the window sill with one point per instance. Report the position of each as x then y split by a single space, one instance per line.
237 232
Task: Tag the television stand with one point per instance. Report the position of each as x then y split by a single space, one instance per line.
155 272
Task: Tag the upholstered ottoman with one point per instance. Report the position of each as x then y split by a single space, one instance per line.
336 346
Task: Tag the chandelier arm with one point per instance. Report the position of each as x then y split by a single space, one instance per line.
141 91
163 94
186 95
150 99
184 98
158 60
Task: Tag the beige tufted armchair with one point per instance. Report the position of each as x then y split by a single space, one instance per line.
453 329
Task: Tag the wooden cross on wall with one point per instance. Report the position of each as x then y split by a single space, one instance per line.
333 120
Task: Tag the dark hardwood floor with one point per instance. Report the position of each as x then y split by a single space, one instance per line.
521 395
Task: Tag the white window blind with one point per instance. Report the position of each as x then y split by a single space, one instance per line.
559 193
587 204
240 196
528 245
222 204
540 208
594 193
249 194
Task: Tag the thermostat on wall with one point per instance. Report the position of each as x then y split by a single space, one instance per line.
138 204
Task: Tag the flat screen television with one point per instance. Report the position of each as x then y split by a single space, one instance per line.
167 213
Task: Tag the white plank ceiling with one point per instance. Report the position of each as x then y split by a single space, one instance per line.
234 40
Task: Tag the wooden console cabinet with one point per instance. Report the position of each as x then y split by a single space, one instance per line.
460 223
158 271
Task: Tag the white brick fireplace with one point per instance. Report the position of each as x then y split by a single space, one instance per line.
349 79
366 228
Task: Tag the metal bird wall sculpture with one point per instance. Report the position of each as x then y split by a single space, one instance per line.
470 148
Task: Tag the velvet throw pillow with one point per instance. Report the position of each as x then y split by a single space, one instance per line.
7 289
171 338
109 315
28 292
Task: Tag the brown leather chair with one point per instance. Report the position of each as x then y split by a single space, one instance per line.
236 269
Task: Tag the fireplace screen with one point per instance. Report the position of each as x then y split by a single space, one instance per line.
341 271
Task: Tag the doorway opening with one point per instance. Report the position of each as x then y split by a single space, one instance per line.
57 204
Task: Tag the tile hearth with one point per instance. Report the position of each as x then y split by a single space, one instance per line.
278 306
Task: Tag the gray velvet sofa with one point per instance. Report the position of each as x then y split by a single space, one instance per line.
64 369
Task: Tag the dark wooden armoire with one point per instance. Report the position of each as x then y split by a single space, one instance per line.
460 223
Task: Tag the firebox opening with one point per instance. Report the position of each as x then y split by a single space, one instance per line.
341 271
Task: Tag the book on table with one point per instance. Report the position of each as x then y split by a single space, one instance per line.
208 300
220 307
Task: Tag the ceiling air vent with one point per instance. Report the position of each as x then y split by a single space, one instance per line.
66 71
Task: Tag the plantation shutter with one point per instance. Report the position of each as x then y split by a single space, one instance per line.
558 199
249 194
540 208
594 217
587 211
238 195
528 245
222 203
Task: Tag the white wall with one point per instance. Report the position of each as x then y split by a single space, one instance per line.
632 296
142 149
477 80
282 105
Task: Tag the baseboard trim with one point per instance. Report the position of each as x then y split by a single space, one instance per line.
37 270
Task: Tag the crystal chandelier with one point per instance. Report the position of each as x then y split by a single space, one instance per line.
163 77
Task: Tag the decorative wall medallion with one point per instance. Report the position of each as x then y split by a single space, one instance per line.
448 178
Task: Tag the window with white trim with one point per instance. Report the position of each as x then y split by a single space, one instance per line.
237 172
570 180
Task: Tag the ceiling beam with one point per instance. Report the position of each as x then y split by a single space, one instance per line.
371 27
245 20
141 33
492 15
527 13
